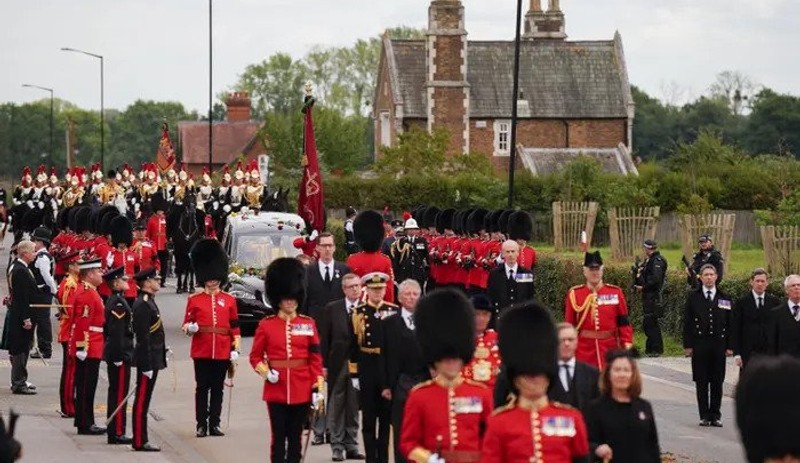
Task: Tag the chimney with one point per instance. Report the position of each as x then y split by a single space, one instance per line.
238 104
545 25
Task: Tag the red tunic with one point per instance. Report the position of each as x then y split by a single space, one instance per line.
61 246
308 248
147 254
210 230
527 257
478 275
602 322
491 250
554 434
485 364
89 317
218 318
290 347
67 290
365 262
433 257
157 231
102 249
446 418
83 245
130 260
461 249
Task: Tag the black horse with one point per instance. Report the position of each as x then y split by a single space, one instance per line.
276 202
185 226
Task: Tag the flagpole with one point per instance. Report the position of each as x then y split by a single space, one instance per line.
210 91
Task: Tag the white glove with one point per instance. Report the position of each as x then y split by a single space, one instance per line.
81 354
192 328
435 458
314 234
110 259
234 356
273 376
148 373
117 364
226 208
356 384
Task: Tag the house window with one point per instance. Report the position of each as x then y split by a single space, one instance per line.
386 129
502 137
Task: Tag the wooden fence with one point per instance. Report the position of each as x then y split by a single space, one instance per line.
628 228
781 249
719 226
569 220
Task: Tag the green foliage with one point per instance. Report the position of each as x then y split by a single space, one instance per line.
774 124
417 153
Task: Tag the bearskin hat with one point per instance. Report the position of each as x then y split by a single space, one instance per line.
121 231
210 261
502 221
490 221
286 279
71 213
32 219
767 406
520 226
418 214
104 228
62 218
97 219
445 326
429 217
158 203
444 220
82 220
529 341
475 221
368 230
458 222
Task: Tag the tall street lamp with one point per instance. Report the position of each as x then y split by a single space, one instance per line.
210 85
50 154
102 108
513 161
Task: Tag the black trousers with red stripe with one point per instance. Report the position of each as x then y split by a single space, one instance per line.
141 406
66 388
86 372
119 383
286 426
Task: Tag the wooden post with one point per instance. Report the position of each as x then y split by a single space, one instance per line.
569 220
629 227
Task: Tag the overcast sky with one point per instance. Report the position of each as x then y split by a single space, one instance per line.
158 49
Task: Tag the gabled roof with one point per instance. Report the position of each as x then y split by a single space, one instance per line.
545 161
559 79
231 139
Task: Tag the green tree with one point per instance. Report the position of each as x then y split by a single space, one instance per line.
653 127
774 124
417 153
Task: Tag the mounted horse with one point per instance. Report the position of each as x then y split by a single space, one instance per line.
276 202
185 227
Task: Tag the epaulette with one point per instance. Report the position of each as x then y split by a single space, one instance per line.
504 408
422 384
475 383
562 405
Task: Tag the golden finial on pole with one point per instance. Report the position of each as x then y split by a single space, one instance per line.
309 88
309 100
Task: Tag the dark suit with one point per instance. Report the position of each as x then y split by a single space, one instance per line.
706 329
783 334
318 293
335 337
749 325
504 292
405 368
584 387
18 340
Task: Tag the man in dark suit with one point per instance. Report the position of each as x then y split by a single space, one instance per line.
19 336
750 317
706 329
335 338
324 285
405 366
509 283
784 326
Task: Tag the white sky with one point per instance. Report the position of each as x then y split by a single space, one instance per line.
158 49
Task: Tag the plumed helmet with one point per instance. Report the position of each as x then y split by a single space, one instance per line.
368 230
121 231
502 221
210 261
475 221
444 220
286 279
528 341
520 226
445 326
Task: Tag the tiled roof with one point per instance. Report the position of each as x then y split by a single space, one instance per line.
544 161
231 139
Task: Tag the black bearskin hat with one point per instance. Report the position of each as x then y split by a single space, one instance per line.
520 226
62 219
286 279
475 221
121 231
82 222
429 217
32 218
104 228
768 408
71 215
444 221
502 221
368 230
490 221
458 222
529 341
97 219
445 326
158 203
210 261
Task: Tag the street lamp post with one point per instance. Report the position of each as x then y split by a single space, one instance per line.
513 154
210 86
50 154
102 106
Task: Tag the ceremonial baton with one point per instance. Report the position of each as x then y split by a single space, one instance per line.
231 373
119 407
172 371
47 306
44 361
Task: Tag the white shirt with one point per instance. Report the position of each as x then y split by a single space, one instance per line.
322 267
509 269
407 318
350 305
791 309
42 263
562 374
756 296
713 292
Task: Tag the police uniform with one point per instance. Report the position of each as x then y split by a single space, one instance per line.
118 355
701 258
600 316
43 269
151 356
651 277
286 352
67 290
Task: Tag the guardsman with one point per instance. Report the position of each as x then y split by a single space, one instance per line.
157 232
478 275
531 428
145 251
151 354
286 353
706 255
212 320
368 230
441 247
485 364
367 368
122 255
61 245
87 344
118 352
520 229
649 282
445 417
67 290
599 313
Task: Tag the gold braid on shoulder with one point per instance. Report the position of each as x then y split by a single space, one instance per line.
588 306
358 326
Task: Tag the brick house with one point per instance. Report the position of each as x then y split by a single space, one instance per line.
236 136
574 96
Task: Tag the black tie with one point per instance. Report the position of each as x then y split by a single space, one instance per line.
511 275
327 276
708 295
565 366
411 321
795 310
760 302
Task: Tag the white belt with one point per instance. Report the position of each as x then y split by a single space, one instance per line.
96 329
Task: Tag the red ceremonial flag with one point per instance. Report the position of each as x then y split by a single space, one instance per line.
310 205
165 155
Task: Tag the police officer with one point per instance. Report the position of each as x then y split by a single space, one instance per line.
43 268
706 255
118 352
151 353
350 244
650 282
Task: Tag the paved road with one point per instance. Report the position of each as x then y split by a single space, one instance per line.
47 437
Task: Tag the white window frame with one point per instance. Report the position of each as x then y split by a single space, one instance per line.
386 128
502 127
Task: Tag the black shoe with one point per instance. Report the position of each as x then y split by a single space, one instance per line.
35 355
179 291
653 354
705 423
716 423
338 455
216 431
148 447
92 431
356 455
318 440
163 285
202 431
119 440
24 391
327 437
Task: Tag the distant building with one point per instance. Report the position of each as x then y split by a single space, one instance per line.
236 136
574 96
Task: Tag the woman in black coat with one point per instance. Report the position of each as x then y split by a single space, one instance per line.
621 425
